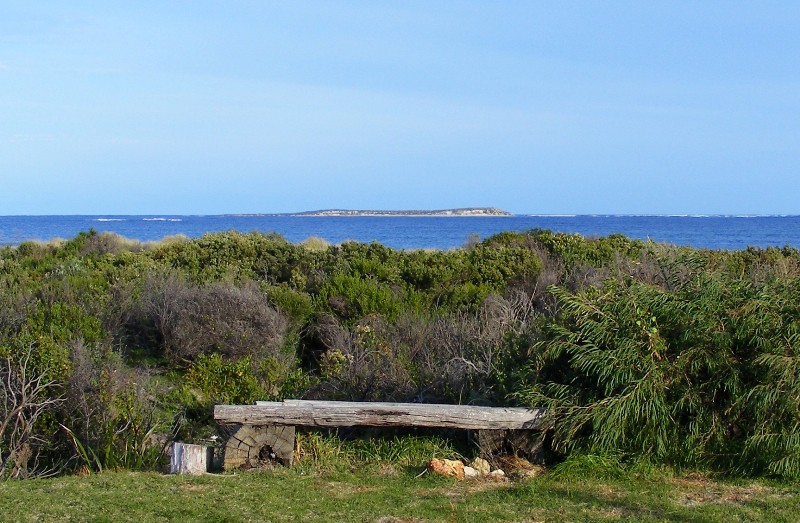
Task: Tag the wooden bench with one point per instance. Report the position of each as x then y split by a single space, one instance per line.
266 431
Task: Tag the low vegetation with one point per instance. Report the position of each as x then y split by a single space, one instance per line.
687 358
581 489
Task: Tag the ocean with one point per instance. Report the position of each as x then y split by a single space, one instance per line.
418 232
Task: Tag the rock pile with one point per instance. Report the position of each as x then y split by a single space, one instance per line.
480 468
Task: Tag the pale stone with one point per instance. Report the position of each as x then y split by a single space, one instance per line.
482 466
470 472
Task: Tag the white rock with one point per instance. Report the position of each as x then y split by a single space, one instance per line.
470 472
482 466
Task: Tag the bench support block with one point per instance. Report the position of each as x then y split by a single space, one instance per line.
255 445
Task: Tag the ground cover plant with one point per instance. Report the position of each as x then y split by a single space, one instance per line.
111 349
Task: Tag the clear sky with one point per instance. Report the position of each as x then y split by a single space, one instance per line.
200 107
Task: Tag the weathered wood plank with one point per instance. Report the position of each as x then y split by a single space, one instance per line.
349 414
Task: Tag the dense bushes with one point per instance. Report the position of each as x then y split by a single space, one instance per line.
701 370
687 356
434 359
189 320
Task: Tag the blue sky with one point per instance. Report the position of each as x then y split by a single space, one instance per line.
535 107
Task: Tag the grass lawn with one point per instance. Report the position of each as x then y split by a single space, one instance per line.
386 495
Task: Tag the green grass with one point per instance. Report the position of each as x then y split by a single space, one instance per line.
385 494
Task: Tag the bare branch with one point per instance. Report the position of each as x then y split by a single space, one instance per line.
27 395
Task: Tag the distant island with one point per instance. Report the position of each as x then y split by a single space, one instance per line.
468 211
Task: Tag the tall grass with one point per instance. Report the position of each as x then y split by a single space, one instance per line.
317 451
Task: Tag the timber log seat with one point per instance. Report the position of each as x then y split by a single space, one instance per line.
266 431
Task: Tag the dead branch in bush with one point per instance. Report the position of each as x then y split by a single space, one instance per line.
25 395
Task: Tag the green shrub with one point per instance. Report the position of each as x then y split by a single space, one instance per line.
297 305
315 243
353 297
702 375
225 381
64 322
109 417
576 250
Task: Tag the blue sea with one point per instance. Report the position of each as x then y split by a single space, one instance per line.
413 232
